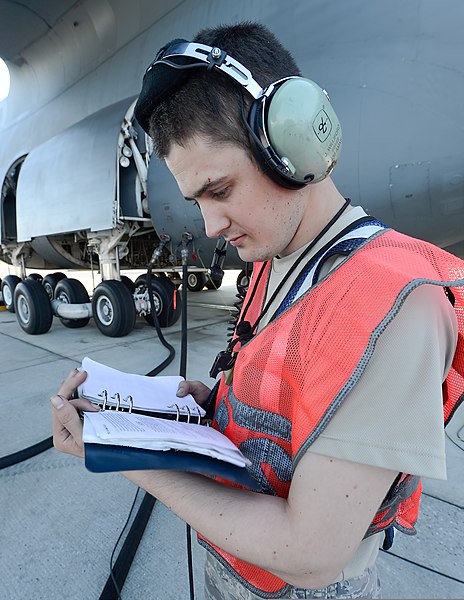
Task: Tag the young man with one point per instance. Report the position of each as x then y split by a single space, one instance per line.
341 369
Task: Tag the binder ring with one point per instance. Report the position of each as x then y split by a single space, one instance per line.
199 415
178 411
117 397
104 395
130 400
188 412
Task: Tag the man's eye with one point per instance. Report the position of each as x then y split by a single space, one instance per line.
221 193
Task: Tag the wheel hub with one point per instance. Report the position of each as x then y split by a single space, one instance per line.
7 295
23 310
105 310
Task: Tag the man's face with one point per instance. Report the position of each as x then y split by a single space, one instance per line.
237 200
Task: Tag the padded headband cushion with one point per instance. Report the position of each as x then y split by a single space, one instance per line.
159 82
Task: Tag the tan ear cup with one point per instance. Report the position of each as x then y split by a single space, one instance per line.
303 128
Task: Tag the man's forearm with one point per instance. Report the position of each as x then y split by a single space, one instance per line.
306 539
250 526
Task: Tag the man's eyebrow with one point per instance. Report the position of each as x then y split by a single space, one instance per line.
205 187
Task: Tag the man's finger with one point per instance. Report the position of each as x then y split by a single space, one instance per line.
64 415
197 388
188 387
73 381
83 404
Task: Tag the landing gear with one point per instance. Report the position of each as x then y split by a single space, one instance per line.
113 308
9 284
33 309
165 296
214 280
213 283
196 281
50 282
127 281
243 280
71 291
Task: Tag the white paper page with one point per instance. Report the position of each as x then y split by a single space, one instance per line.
139 431
225 455
148 393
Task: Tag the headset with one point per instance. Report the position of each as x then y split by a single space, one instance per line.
294 133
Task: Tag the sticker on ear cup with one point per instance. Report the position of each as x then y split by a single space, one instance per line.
322 125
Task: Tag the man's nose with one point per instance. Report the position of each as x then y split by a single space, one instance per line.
216 221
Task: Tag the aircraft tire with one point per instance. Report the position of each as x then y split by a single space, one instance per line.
213 285
51 281
113 308
163 296
36 276
9 284
127 281
196 281
72 291
243 280
33 308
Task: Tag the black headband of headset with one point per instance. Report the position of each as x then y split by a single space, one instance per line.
171 69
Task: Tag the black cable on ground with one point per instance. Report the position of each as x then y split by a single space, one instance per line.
183 341
183 373
16 457
162 339
126 555
412 562
443 500
120 569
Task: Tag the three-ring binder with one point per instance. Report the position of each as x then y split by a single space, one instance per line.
128 399
121 437
127 405
111 389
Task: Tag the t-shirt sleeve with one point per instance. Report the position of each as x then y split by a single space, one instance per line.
393 417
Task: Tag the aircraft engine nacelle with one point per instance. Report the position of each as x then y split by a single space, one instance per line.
92 195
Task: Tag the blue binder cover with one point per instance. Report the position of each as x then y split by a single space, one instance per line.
106 458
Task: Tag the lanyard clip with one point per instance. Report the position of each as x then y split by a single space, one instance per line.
224 361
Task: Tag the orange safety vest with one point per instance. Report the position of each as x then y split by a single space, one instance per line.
290 378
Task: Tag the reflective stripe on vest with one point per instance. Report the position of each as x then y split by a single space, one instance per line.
285 388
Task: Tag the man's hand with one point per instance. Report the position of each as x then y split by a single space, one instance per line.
66 423
198 390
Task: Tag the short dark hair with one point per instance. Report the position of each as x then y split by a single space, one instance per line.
209 102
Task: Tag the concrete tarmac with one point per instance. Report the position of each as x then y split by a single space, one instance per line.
60 523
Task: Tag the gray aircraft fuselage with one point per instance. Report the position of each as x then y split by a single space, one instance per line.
394 71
